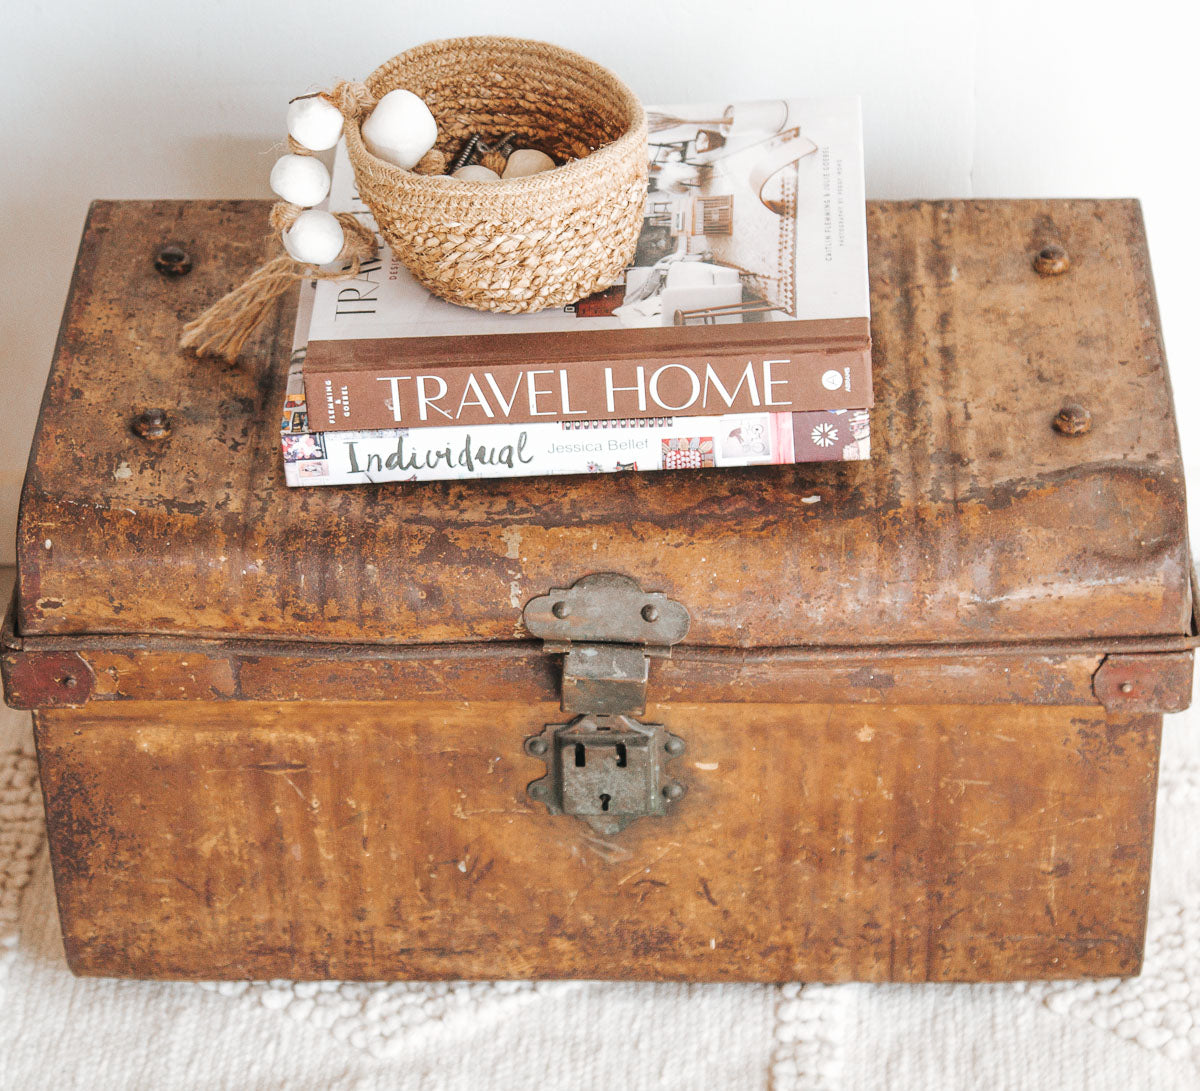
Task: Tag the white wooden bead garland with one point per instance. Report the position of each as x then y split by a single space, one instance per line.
400 129
315 125
311 237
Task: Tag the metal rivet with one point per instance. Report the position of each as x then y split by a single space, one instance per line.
69 681
152 424
673 790
1126 687
1051 261
172 260
1073 420
536 746
561 609
650 612
674 746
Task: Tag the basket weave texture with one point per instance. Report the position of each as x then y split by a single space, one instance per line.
523 244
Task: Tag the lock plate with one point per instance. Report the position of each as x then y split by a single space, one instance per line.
607 770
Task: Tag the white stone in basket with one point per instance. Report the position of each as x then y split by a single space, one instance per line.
476 172
526 161
400 129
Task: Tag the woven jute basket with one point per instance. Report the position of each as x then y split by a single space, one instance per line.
522 244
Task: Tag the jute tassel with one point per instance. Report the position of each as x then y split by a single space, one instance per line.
224 328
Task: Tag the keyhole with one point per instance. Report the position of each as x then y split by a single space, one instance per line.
605 799
620 755
580 755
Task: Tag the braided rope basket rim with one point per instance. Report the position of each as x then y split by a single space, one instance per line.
585 178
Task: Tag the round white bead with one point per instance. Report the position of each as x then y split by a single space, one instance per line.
400 129
314 123
526 161
315 238
300 179
475 172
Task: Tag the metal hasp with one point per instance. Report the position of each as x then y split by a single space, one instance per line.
607 628
605 766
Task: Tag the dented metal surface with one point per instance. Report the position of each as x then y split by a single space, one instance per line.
606 607
608 628
967 525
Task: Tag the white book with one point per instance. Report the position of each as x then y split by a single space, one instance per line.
773 190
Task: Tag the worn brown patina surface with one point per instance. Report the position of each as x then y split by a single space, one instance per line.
974 520
816 842
281 731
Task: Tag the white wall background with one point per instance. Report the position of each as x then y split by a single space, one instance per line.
127 98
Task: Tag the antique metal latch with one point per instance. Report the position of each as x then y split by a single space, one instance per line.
605 766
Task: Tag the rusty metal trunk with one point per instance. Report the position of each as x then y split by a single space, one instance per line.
916 709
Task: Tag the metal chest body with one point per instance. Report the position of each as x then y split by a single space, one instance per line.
895 720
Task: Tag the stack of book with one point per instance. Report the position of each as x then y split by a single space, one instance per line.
739 335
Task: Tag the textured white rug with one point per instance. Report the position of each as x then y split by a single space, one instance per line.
59 1032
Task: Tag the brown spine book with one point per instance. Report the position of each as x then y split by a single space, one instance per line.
527 378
